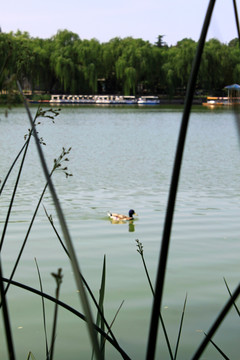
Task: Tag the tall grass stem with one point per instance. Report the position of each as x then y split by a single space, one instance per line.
43 310
58 278
69 308
236 19
67 237
83 279
216 324
6 319
152 338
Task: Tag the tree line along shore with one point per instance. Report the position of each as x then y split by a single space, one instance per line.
66 64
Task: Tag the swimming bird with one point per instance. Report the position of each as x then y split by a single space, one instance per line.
119 217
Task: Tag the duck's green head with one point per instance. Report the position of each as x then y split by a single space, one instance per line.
131 213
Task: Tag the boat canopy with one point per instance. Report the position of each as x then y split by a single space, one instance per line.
233 87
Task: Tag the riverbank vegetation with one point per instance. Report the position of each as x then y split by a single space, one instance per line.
65 63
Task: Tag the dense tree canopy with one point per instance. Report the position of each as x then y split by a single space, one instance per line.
66 64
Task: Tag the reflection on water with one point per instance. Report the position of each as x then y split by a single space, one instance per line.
131 226
122 158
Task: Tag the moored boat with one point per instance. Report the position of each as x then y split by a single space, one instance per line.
72 99
104 100
115 100
216 101
148 100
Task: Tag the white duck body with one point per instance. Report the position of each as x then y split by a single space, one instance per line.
120 217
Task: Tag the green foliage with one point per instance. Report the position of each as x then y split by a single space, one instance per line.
66 64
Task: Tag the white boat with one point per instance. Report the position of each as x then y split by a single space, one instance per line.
104 99
148 100
81 99
58 99
93 99
72 99
129 100
115 100
216 101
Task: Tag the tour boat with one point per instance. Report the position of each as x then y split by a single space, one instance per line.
115 100
216 101
148 100
72 99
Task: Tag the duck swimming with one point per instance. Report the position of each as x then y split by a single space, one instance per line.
119 217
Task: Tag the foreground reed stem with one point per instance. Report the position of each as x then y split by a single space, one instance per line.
58 277
72 310
152 338
216 324
67 237
83 279
6 319
140 251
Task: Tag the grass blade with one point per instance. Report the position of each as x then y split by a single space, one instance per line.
30 355
83 279
231 296
55 230
69 308
115 316
218 349
58 278
11 167
152 338
216 324
56 166
140 251
16 183
67 237
236 18
43 310
180 328
6 319
99 320
101 302
26 237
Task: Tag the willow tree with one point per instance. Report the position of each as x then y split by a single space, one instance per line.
64 59
216 67
130 77
89 61
111 52
21 58
171 80
43 77
233 62
132 64
5 58
186 49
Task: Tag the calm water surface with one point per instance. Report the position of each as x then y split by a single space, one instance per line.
122 158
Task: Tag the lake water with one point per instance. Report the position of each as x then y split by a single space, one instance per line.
122 158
